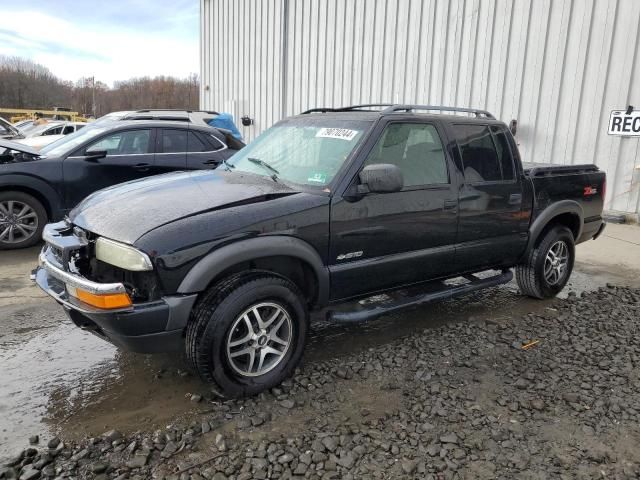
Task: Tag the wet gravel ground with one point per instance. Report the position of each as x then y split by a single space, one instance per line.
461 400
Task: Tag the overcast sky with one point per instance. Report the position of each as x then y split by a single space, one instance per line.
113 39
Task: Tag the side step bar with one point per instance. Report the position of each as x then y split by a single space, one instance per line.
443 292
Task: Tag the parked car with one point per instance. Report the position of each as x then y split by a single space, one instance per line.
8 131
323 208
41 186
40 136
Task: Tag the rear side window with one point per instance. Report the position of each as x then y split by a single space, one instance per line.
195 144
504 153
174 141
216 143
478 152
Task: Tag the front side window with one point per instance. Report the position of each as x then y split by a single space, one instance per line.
53 131
307 151
478 152
174 141
71 142
416 150
128 142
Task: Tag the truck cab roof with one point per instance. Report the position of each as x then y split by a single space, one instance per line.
377 110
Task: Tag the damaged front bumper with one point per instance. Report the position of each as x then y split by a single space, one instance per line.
149 327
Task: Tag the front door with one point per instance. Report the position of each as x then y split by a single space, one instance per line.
129 157
380 241
492 227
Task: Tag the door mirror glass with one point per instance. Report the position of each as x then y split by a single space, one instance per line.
382 178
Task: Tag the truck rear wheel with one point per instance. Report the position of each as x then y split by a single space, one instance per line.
248 333
548 266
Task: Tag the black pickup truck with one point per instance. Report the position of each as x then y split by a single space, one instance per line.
323 208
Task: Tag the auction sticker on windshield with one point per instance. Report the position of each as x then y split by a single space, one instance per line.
341 133
621 123
317 178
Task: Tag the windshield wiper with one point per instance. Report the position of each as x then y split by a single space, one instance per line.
228 165
264 164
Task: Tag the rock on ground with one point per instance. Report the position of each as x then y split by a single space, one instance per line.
464 400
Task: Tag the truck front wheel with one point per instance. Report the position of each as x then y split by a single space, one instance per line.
248 333
548 266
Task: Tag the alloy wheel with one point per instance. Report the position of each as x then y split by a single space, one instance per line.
18 221
259 339
556 262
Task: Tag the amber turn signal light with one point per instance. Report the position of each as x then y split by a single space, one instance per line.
106 301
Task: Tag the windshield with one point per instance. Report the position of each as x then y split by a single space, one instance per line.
70 142
307 152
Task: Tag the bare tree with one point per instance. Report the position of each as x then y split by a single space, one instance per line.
25 84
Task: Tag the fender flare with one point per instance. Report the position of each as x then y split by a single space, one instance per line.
42 188
216 262
548 214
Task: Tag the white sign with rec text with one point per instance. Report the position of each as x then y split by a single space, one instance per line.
622 124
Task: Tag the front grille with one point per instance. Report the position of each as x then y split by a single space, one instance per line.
74 250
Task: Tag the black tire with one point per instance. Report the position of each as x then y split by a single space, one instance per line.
530 274
209 331
37 221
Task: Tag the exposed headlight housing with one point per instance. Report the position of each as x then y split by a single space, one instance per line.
121 255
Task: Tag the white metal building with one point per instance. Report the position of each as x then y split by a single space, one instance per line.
557 66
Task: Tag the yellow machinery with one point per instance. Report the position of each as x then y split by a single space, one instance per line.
17 114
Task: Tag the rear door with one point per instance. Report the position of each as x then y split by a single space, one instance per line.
129 157
204 151
171 149
492 227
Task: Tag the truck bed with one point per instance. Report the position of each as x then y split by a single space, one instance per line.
544 169
559 184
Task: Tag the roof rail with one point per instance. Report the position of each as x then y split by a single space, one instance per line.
149 110
408 108
346 109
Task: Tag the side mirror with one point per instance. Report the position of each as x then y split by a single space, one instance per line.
380 178
94 155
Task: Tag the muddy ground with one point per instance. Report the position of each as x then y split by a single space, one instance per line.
403 373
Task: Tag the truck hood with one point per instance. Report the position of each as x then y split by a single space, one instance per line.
128 211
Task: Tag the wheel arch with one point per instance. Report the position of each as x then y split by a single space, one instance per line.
568 213
38 189
289 257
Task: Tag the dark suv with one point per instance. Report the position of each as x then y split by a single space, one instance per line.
41 186
323 208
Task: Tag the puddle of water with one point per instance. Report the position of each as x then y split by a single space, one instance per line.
55 378
56 361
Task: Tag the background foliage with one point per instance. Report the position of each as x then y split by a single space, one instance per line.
25 84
